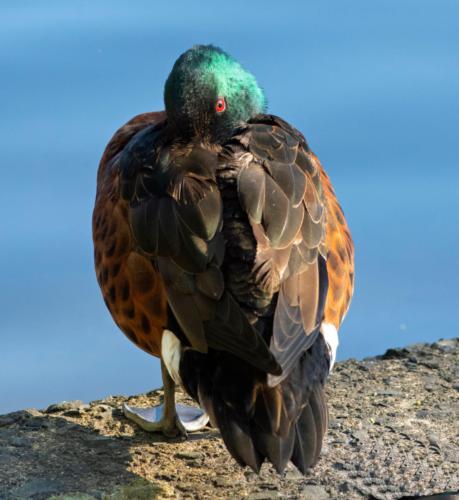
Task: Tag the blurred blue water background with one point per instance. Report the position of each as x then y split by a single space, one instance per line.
373 86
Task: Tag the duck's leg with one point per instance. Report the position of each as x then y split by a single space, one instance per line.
171 420
162 418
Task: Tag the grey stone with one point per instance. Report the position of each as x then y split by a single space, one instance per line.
9 419
250 476
223 481
314 492
97 438
293 475
76 412
64 406
263 495
448 344
389 393
103 412
74 496
188 455
194 463
360 435
103 407
431 364
434 441
268 486
422 414
5 457
37 487
184 486
18 442
36 423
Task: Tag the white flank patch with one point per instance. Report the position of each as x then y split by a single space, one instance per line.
171 350
330 334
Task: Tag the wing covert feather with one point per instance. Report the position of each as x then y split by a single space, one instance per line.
280 190
175 214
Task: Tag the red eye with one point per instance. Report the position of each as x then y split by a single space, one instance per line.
220 105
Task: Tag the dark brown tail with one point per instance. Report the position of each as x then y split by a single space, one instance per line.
257 422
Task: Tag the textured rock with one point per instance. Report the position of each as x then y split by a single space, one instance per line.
392 434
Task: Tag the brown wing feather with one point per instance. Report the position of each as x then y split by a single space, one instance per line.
174 213
133 290
280 189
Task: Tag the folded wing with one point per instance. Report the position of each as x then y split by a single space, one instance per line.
280 189
175 214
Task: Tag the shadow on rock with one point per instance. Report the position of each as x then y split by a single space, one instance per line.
43 455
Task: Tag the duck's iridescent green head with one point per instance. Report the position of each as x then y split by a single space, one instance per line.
208 94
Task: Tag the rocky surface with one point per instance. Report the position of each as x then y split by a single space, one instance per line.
393 433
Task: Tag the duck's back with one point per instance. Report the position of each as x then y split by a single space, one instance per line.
274 227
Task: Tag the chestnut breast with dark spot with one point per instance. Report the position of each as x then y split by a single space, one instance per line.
132 288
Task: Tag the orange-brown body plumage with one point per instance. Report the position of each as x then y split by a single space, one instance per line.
132 288
340 258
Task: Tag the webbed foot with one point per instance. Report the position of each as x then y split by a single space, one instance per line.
186 419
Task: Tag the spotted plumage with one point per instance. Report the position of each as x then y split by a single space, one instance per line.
216 224
132 288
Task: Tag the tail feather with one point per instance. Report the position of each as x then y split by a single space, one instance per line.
273 411
321 401
257 422
305 440
237 438
309 430
277 449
